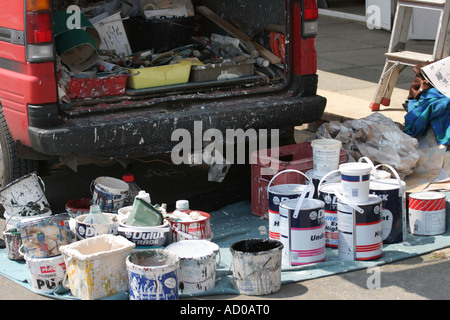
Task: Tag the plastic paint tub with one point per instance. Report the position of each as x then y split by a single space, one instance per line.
302 232
197 272
360 234
96 266
46 273
109 193
427 213
256 265
326 154
355 177
85 230
155 236
153 275
277 194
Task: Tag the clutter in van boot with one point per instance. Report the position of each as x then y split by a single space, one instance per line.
102 51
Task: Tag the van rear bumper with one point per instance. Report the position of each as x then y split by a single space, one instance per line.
149 131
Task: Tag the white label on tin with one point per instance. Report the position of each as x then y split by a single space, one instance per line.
346 247
427 222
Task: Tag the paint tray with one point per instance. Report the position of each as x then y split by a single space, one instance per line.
96 266
159 76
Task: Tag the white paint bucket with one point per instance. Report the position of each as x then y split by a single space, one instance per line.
302 231
327 193
197 272
153 275
360 233
276 195
155 236
256 265
427 213
46 273
25 197
393 195
109 193
96 266
326 154
85 230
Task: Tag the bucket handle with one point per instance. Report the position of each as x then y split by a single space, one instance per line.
323 179
374 171
292 170
309 188
347 201
402 188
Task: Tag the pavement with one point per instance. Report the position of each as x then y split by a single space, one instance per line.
350 61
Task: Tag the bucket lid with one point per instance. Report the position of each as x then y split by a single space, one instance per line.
385 184
427 195
355 168
307 204
287 189
188 249
326 143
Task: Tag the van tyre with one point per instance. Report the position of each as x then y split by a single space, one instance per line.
11 166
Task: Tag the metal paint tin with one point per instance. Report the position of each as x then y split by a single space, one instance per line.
360 234
302 233
427 213
328 196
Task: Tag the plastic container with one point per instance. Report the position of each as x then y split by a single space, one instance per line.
134 189
159 76
96 266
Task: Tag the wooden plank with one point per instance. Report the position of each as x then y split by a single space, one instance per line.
225 25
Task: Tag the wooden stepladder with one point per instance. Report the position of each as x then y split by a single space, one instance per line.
397 58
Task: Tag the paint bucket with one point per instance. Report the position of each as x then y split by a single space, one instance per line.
46 274
13 241
256 265
109 193
393 195
155 236
326 154
277 194
332 178
192 229
78 207
197 272
25 197
85 230
327 194
42 237
360 233
153 275
302 231
427 213
96 266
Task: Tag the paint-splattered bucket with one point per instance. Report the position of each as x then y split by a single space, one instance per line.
277 194
25 197
96 266
46 273
42 237
78 207
192 229
360 232
197 272
85 230
302 231
327 193
109 193
13 241
156 236
427 213
393 195
256 265
153 275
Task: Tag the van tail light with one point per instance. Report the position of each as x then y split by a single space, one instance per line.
39 32
310 18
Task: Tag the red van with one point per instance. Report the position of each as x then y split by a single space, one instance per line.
36 125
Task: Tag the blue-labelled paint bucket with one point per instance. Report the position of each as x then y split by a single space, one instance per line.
153 275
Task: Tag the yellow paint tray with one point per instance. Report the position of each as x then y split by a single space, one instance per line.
159 76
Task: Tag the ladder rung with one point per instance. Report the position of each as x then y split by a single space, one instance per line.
409 57
429 3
